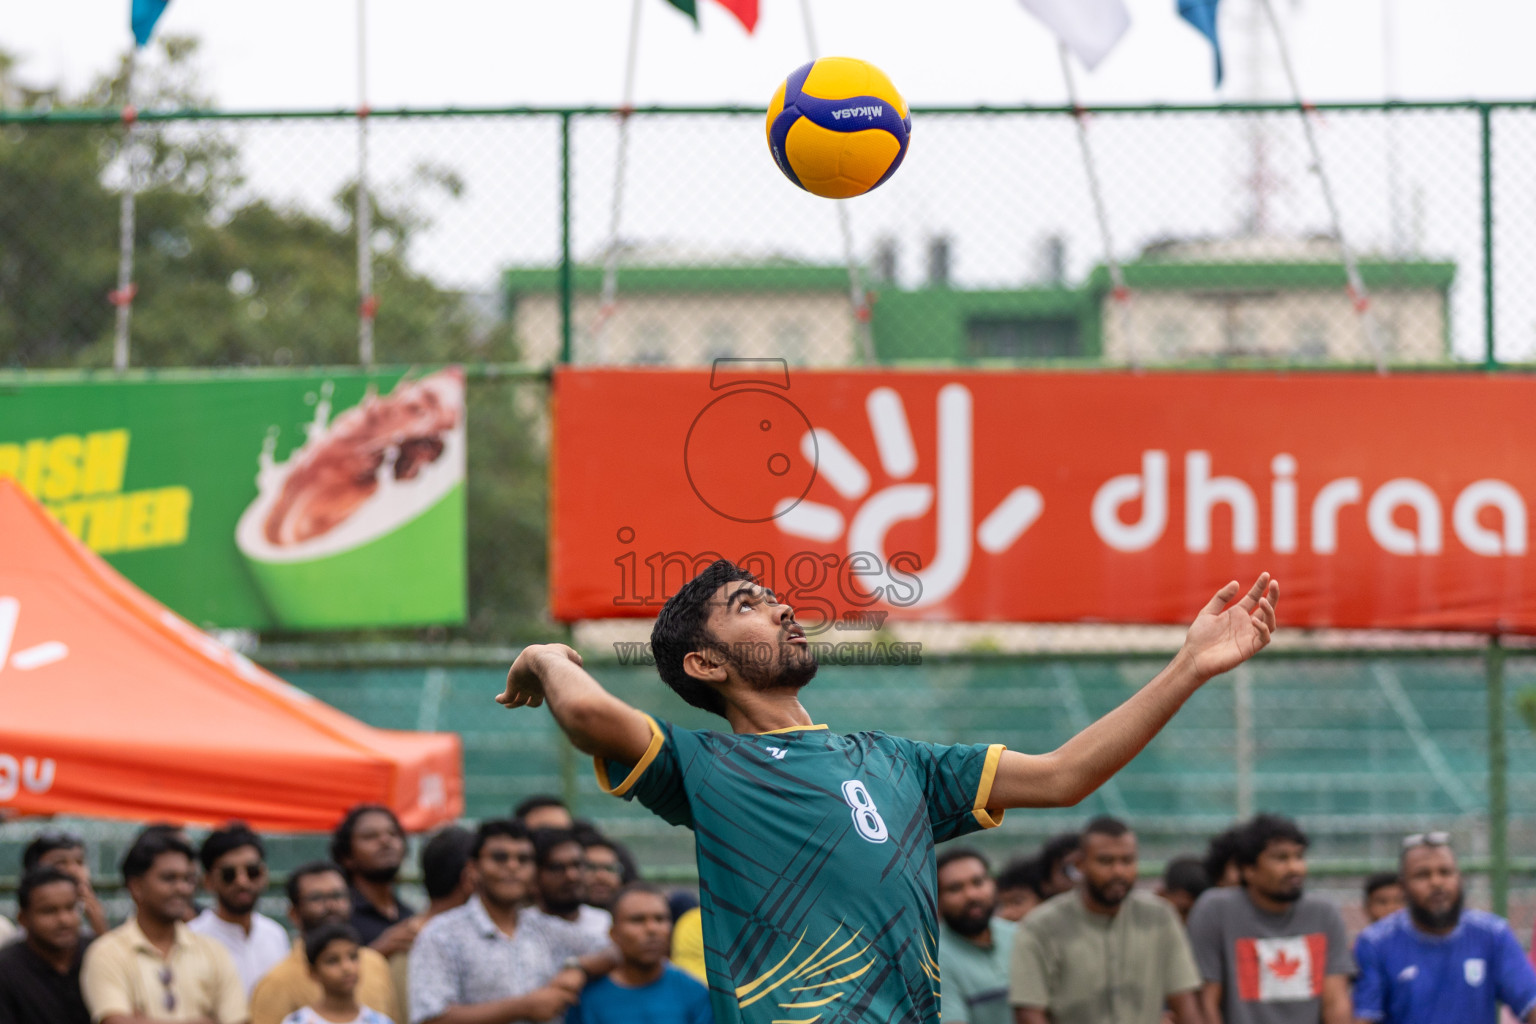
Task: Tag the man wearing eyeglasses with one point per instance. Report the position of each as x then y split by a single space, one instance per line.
153 968
560 863
235 871
1435 962
318 895
491 961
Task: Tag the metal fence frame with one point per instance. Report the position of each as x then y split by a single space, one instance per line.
1485 109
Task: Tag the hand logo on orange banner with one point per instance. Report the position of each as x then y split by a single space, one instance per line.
1396 502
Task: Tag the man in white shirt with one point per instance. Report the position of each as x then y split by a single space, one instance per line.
235 872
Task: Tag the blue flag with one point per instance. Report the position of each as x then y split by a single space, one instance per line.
145 14
1202 15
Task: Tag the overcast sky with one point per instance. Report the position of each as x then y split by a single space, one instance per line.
300 53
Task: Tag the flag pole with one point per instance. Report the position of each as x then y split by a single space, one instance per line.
857 294
1119 293
122 296
609 296
1355 285
368 303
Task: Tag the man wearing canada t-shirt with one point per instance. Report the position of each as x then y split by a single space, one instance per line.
1268 953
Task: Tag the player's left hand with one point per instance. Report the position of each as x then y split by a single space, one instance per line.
1222 638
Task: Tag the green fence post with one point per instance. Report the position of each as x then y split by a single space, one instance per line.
1498 781
1485 117
565 236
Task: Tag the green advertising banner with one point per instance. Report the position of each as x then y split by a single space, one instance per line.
261 500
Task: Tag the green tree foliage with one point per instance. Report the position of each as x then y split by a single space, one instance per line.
226 277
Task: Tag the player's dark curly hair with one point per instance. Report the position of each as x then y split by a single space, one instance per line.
682 627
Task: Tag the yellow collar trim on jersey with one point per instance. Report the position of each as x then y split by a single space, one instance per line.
790 728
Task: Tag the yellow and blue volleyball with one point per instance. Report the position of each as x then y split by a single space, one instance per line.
838 127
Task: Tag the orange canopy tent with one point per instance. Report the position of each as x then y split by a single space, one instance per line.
113 706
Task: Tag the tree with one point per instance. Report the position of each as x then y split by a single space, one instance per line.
227 278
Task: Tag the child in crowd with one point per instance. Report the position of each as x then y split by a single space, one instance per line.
332 950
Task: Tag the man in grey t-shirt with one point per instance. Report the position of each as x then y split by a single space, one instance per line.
1267 953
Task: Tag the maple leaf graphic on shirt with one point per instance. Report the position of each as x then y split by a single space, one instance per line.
1284 967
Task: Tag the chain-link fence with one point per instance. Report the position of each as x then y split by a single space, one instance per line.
1360 746
525 226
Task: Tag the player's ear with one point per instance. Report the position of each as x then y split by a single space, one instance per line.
707 665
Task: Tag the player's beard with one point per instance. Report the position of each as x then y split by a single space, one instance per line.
1438 920
792 667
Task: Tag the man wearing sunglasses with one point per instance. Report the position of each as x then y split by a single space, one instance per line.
1435 962
235 871
493 961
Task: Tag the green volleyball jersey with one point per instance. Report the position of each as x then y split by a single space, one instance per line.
816 864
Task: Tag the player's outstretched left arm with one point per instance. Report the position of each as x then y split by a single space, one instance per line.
596 721
1220 639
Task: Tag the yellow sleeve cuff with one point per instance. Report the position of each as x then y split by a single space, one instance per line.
989 817
600 766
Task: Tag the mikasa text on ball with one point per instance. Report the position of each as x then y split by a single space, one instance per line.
838 127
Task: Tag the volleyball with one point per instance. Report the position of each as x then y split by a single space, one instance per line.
837 127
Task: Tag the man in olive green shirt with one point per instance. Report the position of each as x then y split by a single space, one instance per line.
974 944
1104 953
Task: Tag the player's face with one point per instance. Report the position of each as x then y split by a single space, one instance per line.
642 929
1108 864
1280 871
1383 900
765 646
1432 883
967 896
504 870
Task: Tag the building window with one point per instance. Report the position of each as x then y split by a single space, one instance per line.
1021 337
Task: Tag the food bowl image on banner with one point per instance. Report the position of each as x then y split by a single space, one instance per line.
364 523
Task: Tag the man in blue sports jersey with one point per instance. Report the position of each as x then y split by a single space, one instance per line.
815 851
1435 962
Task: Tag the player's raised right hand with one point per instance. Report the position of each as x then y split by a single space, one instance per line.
525 684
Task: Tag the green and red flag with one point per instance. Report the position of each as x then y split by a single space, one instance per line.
744 10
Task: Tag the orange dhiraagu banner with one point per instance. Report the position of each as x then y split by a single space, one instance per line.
1387 502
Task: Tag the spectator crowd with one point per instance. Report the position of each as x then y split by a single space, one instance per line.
537 917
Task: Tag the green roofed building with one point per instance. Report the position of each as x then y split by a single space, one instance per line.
1246 301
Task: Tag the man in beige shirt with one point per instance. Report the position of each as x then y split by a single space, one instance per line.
153 968
318 894
1103 953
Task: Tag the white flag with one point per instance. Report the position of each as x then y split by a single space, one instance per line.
1090 28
